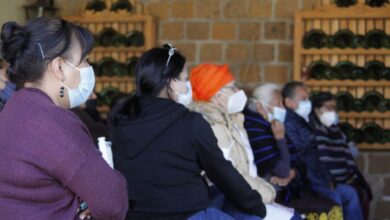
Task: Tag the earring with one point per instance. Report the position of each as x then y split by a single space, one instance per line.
62 89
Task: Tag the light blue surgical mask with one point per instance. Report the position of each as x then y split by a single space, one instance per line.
304 109
278 113
85 88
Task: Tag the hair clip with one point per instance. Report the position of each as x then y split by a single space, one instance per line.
171 52
40 48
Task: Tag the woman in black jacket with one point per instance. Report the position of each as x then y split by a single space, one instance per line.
163 149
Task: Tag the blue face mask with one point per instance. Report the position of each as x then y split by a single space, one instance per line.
8 91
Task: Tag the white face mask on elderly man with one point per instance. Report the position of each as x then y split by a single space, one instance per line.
237 102
85 88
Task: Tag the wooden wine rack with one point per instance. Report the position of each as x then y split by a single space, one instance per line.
123 22
360 19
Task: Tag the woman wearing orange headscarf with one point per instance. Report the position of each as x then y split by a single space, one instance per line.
220 102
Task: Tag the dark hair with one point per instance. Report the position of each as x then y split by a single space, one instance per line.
29 49
288 90
152 72
320 98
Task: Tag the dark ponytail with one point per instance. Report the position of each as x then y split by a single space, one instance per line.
29 49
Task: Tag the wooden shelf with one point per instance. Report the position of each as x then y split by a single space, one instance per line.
346 51
375 114
100 49
348 83
375 146
114 78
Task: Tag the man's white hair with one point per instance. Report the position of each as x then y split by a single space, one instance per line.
262 93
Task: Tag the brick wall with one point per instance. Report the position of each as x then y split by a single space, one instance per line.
252 36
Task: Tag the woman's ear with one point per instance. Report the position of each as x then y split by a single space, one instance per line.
56 66
260 109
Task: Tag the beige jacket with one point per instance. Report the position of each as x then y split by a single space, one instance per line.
232 137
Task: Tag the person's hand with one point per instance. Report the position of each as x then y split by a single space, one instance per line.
283 181
278 129
260 109
85 214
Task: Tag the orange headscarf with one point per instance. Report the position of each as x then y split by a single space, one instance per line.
208 79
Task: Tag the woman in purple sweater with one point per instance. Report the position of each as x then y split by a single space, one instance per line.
48 162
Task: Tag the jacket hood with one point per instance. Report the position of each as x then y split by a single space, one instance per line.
140 120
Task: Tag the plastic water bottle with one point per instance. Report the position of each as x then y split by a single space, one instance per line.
105 148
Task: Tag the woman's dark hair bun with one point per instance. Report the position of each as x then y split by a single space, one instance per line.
14 39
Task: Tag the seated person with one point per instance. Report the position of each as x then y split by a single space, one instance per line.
274 152
296 100
163 149
334 149
221 103
7 88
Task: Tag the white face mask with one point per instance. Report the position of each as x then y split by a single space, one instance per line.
81 94
277 113
329 118
237 102
304 109
185 99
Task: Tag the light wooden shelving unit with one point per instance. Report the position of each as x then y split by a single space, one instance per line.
123 22
360 19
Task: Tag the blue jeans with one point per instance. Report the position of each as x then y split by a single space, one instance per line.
347 197
210 214
219 202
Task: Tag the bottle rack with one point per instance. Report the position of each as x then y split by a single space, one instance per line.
360 19
123 22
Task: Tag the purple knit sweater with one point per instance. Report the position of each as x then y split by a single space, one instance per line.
48 160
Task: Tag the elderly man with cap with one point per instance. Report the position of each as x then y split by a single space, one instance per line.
221 103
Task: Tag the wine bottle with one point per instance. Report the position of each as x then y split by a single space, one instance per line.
357 105
110 37
371 100
374 69
376 39
344 70
315 39
386 74
359 73
343 38
320 70
347 129
110 67
121 5
96 5
135 38
377 3
131 65
345 3
371 132
344 101
360 41
107 94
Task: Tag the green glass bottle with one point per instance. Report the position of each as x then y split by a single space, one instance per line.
344 101
357 105
359 73
320 70
136 39
345 3
374 69
121 5
386 74
360 41
343 38
107 94
131 65
110 67
315 39
96 5
377 3
344 70
371 100
376 39
371 132
110 37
